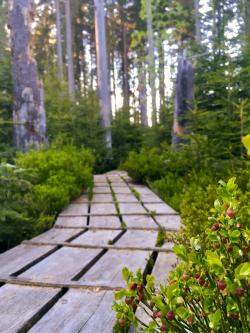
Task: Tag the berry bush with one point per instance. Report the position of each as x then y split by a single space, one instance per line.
209 291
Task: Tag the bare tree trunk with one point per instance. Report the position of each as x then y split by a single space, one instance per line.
161 72
183 98
151 61
71 77
142 93
125 64
102 70
197 21
59 41
28 109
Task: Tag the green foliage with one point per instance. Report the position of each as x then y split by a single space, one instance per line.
208 291
38 187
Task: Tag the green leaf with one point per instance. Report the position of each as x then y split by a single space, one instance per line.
126 274
215 320
243 271
120 294
246 143
181 252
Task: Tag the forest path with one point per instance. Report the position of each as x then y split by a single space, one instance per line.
64 280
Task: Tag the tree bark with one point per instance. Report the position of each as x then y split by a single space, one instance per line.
28 109
197 21
151 60
102 70
142 88
183 99
59 41
71 76
161 72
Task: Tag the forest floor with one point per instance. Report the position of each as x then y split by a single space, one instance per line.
64 280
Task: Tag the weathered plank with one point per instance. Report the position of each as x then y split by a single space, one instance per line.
160 208
79 311
20 257
102 198
169 222
82 199
103 209
104 221
150 198
132 208
20 304
139 221
138 238
107 271
101 190
97 237
125 197
121 190
57 235
72 221
164 264
142 190
75 210
63 265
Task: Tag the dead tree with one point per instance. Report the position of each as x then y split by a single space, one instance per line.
28 101
183 99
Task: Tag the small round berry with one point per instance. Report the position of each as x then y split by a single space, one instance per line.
163 328
121 322
231 212
156 314
133 286
221 285
128 300
185 276
239 292
201 281
170 315
190 320
215 227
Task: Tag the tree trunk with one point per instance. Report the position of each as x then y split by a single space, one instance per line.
125 65
151 61
71 77
28 109
161 72
197 21
59 41
102 70
142 93
183 98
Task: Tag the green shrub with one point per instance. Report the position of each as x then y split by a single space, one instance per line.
209 291
38 187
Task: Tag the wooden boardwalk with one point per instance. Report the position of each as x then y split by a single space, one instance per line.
63 281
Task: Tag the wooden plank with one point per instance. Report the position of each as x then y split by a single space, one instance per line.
139 221
107 271
142 190
57 235
75 210
62 265
79 311
97 237
103 209
20 304
160 208
101 190
138 238
169 222
119 184
121 190
100 198
104 221
82 199
132 208
164 264
21 256
125 197
72 221
150 198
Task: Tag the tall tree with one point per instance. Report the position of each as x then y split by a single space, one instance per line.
71 76
28 109
151 60
102 70
59 41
